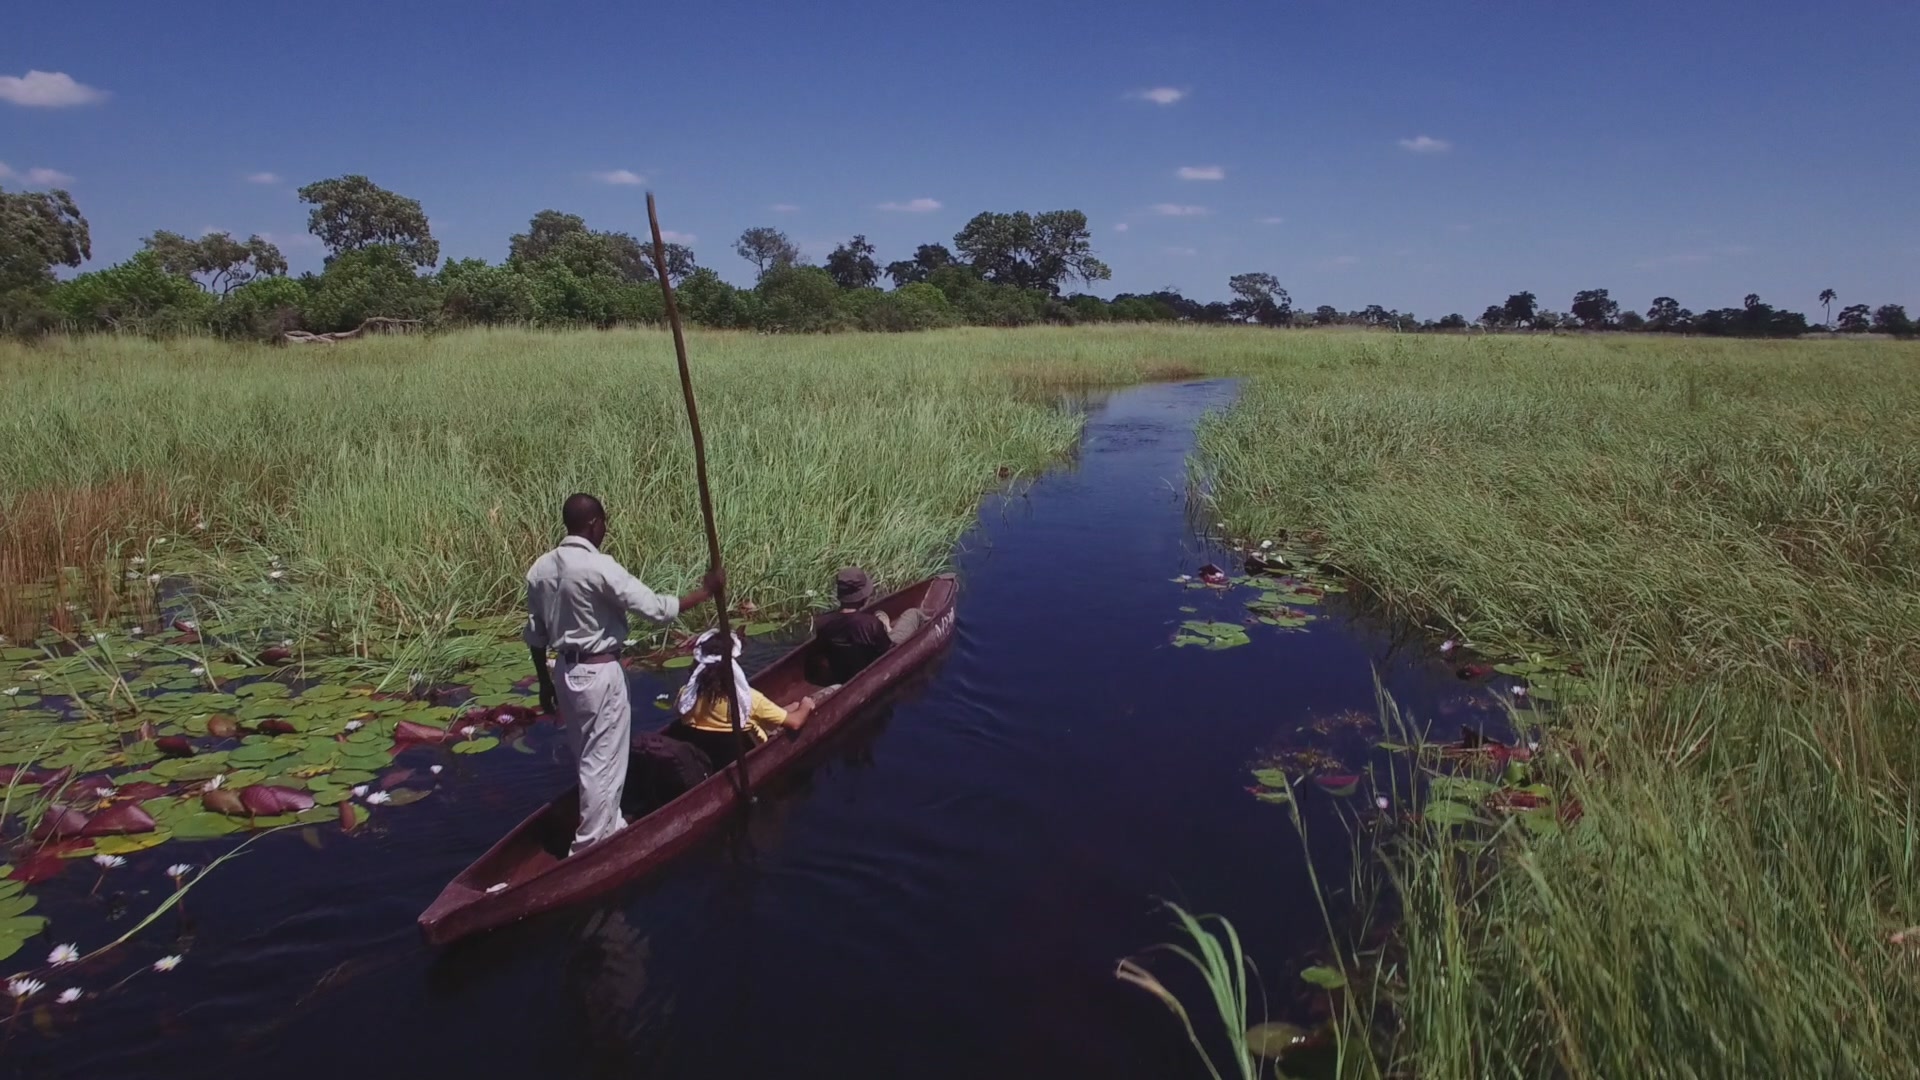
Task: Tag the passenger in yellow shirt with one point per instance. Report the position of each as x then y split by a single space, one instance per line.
706 713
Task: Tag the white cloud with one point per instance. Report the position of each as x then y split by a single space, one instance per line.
672 237
619 177
1272 220
1201 172
1159 95
48 177
1122 227
1183 251
921 205
783 208
1426 144
1166 209
291 240
48 90
263 178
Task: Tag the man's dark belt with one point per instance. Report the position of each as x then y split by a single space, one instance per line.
575 656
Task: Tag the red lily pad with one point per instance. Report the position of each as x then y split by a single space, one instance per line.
351 816
266 800
140 790
222 801
1338 784
1475 671
174 746
120 819
26 776
222 727
186 626
61 822
279 654
407 732
395 778
1213 575
37 868
275 727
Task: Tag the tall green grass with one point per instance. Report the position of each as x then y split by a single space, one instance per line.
403 479
1729 535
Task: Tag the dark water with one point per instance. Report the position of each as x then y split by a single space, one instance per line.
944 894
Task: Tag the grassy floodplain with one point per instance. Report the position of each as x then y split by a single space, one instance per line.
407 481
1728 535
1725 533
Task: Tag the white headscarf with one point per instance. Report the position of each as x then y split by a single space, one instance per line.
690 694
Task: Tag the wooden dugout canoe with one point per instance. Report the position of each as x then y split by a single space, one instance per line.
530 860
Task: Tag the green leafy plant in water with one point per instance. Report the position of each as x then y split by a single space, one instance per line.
1219 960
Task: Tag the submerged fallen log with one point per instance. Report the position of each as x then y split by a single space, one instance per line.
379 324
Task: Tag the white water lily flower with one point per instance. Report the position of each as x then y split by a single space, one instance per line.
435 769
354 725
1266 544
188 624
70 995
22 989
153 579
277 574
360 791
1381 801
136 631
160 540
810 592
179 870
109 862
1448 646
63 954
196 672
1183 578
11 691
1533 747
137 560
133 575
1520 691
377 798
98 638
214 784
166 963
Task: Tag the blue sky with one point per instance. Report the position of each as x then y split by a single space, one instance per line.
1426 156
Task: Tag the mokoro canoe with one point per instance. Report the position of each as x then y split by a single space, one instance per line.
531 862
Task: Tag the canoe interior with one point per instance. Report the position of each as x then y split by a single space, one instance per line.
540 844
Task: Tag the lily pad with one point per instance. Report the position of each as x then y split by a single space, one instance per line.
673 662
1447 812
1325 978
476 746
1273 1039
1271 777
127 845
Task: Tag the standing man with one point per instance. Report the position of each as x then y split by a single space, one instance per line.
577 604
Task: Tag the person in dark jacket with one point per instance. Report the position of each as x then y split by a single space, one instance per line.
854 636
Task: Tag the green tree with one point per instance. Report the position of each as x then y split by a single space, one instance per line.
798 299
1495 315
1258 298
138 295
261 310
217 262
926 259
1855 319
1519 309
1456 321
709 301
369 282
39 230
352 213
1827 297
851 265
1666 314
1595 309
1031 251
476 292
766 248
1892 319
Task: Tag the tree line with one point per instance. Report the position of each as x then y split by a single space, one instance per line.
1003 269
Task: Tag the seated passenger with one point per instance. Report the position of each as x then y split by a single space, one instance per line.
706 712
853 637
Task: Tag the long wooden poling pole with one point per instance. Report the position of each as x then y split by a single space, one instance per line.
737 709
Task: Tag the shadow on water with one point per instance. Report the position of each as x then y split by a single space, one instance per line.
944 894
